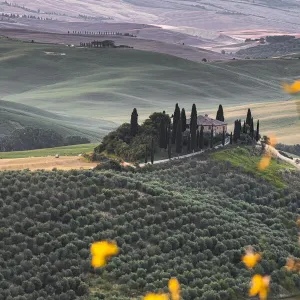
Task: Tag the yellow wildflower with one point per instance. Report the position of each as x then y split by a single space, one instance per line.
174 288
260 286
250 259
153 296
298 222
101 252
293 88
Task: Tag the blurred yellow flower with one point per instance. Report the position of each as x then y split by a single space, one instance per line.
293 88
293 264
264 162
152 296
298 222
101 252
174 288
250 259
260 286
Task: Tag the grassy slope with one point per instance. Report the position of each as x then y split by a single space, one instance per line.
15 116
62 151
241 157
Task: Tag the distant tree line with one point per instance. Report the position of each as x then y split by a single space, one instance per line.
113 33
29 138
293 149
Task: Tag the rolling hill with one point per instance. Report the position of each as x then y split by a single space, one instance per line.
105 84
17 116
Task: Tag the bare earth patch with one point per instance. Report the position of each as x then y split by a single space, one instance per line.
46 163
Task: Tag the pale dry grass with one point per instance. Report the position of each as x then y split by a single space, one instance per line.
46 163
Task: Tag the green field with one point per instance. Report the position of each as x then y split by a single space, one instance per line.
62 151
242 157
107 83
83 91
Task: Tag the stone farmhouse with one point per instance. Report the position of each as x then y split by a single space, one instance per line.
208 124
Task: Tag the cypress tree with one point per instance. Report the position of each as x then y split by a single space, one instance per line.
244 127
201 138
257 131
211 137
231 138
223 137
183 120
252 128
249 116
188 144
236 132
146 154
169 143
176 119
167 129
198 139
179 137
134 122
152 151
162 133
220 114
193 127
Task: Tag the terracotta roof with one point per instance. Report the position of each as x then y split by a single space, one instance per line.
206 121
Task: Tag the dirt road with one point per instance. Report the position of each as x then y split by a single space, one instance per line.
46 163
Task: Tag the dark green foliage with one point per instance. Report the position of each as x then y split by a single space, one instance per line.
198 140
179 139
201 138
237 130
162 134
193 127
134 122
223 137
176 119
120 142
249 117
211 137
183 120
189 219
152 151
244 127
188 146
169 145
220 114
231 138
257 131
146 154
252 128
30 138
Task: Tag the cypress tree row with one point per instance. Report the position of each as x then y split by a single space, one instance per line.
183 120
231 138
193 127
244 127
249 117
252 129
201 137
179 137
211 137
152 151
176 119
198 140
223 137
220 114
134 122
257 131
